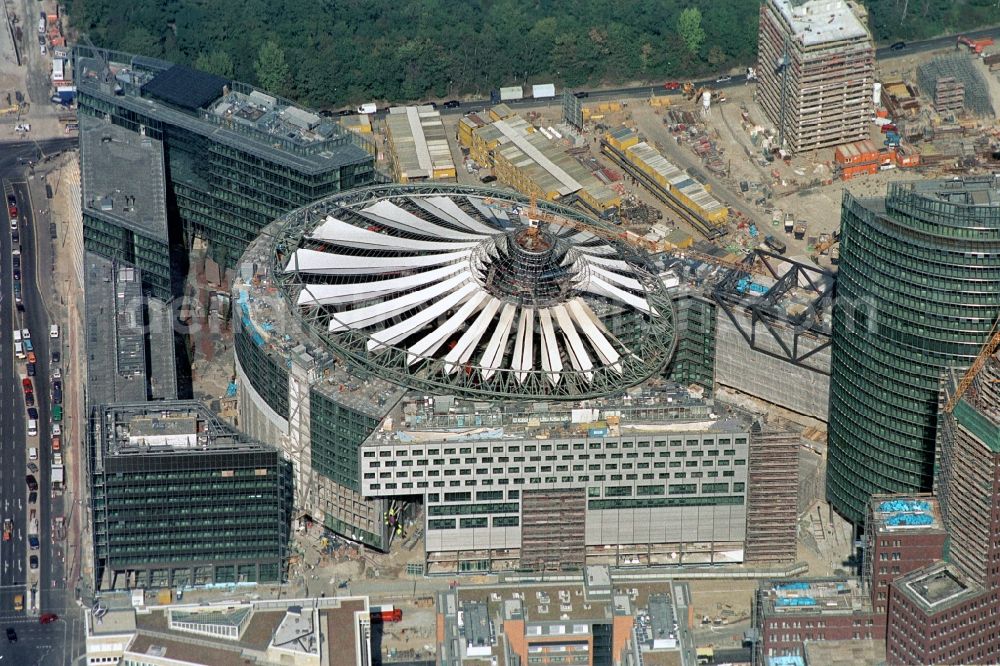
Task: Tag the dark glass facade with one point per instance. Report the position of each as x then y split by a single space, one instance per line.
223 187
918 290
267 377
190 517
336 433
694 359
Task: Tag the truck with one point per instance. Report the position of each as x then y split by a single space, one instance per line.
368 108
57 477
543 90
775 244
800 230
66 94
511 93
381 614
789 222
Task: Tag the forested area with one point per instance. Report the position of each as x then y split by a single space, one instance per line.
328 53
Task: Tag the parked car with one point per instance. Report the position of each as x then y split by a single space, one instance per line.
452 104
29 399
32 413
11 635
898 46
32 497
31 369
32 482
56 357
33 562
672 85
57 392
33 542
725 78
47 618
17 274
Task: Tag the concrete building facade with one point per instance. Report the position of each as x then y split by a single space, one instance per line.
816 71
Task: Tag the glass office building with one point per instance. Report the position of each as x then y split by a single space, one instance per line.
918 291
235 158
179 498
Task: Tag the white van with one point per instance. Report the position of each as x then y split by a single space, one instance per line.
56 429
32 453
54 331
57 459
19 350
32 428
17 335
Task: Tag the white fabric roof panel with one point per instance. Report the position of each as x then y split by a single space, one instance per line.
584 318
430 343
467 343
338 232
389 214
326 263
577 351
551 362
372 314
491 358
332 294
451 211
598 286
410 325
523 359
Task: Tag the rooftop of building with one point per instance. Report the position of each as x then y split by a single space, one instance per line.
227 111
978 191
486 263
123 177
657 406
843 653
288 625
548 611
174 427
905 513
118 320
113 621
419 141
816 22
818 596
937 587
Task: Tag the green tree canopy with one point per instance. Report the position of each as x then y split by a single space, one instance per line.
216 62
271 68
690 30
343 52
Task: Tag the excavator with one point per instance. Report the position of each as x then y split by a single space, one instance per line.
975 45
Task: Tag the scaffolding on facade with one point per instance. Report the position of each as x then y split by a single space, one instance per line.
953 82
772 501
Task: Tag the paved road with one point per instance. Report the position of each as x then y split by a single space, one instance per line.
37 644
882 53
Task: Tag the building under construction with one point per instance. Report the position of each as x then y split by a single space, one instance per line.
816 76
773 333
499 363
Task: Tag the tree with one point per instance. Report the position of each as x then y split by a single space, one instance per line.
271 68
690 30
216 62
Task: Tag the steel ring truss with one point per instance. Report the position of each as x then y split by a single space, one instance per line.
451 289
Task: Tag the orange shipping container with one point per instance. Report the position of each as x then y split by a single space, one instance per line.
859 152
882 113
858 170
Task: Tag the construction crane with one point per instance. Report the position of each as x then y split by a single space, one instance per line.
970 375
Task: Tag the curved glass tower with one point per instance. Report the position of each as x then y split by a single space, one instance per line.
918 290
